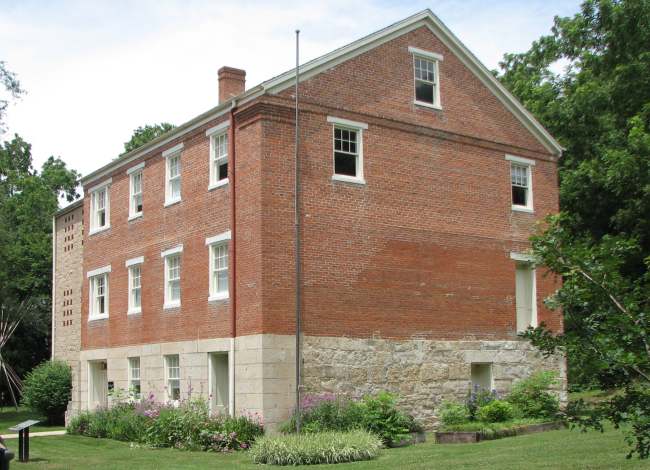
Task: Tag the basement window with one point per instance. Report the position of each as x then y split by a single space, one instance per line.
134 377
348 150
482 376
172 377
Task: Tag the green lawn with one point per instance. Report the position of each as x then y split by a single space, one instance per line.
552 450
10 417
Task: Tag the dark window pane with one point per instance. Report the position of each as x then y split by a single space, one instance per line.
101 305
337 133
345 164
102 219
223 171
139 208
518 196
424 92
337 144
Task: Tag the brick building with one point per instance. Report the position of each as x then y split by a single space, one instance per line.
421 178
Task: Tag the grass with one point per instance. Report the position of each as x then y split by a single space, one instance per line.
562 449
477 426
594 396
10 417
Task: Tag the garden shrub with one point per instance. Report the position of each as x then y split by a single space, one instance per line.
317 448
380 415
451 413
531 396
496 411
477 398
186 426
47 390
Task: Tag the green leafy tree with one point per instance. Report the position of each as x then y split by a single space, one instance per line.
28 200
47 390
12 88
589 84
144 134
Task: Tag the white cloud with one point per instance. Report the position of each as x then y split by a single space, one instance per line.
94 71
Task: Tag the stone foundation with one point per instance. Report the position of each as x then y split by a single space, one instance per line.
422 373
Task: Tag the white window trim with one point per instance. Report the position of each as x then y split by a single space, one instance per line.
436 59
211 243
132 172
523 257
528 259
106 184
91 274
529 164
130 373
169 304
212 134
130 264
358 127
172 152
98 271
135 168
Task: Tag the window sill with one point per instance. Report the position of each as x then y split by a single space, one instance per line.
135 216
103 316
170 306
98 230
217 297
171 203
218 184
523 209
428 105
348 179
134 312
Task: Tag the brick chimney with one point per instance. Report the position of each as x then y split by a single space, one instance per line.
232 82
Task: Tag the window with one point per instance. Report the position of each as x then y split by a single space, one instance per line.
99 208
135 289
134 377
172 277
173 377
135 207
348 150
426 77
98 290
525 296
218 252
218 159
482 376
521 183
173 174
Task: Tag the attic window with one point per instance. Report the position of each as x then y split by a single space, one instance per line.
426 77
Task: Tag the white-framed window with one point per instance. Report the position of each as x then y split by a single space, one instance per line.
218 159
521 181
134 377
98 293
135 194
100 208
218 252
135 284
172 289
482 376
173 174
426 77
347 149
172 377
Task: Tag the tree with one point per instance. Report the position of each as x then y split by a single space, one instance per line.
598 106
11 86
28 200
144 134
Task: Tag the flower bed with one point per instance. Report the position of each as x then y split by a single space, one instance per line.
187 425
486 433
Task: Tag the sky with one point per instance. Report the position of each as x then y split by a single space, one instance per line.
96 70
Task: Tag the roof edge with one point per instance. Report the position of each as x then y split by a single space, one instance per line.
70 207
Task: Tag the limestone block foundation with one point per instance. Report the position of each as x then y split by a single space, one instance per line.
422 373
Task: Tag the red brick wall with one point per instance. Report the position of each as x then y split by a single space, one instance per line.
421 250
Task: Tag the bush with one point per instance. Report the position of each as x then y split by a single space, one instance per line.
451 413
188 426
531 396
496 411
47 390
317 448
380 415
477 398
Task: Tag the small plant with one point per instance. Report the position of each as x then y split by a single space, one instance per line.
531 396
380 415
477 398
451 412
318 448
497 411
47 390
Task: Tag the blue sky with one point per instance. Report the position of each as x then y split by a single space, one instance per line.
96 70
